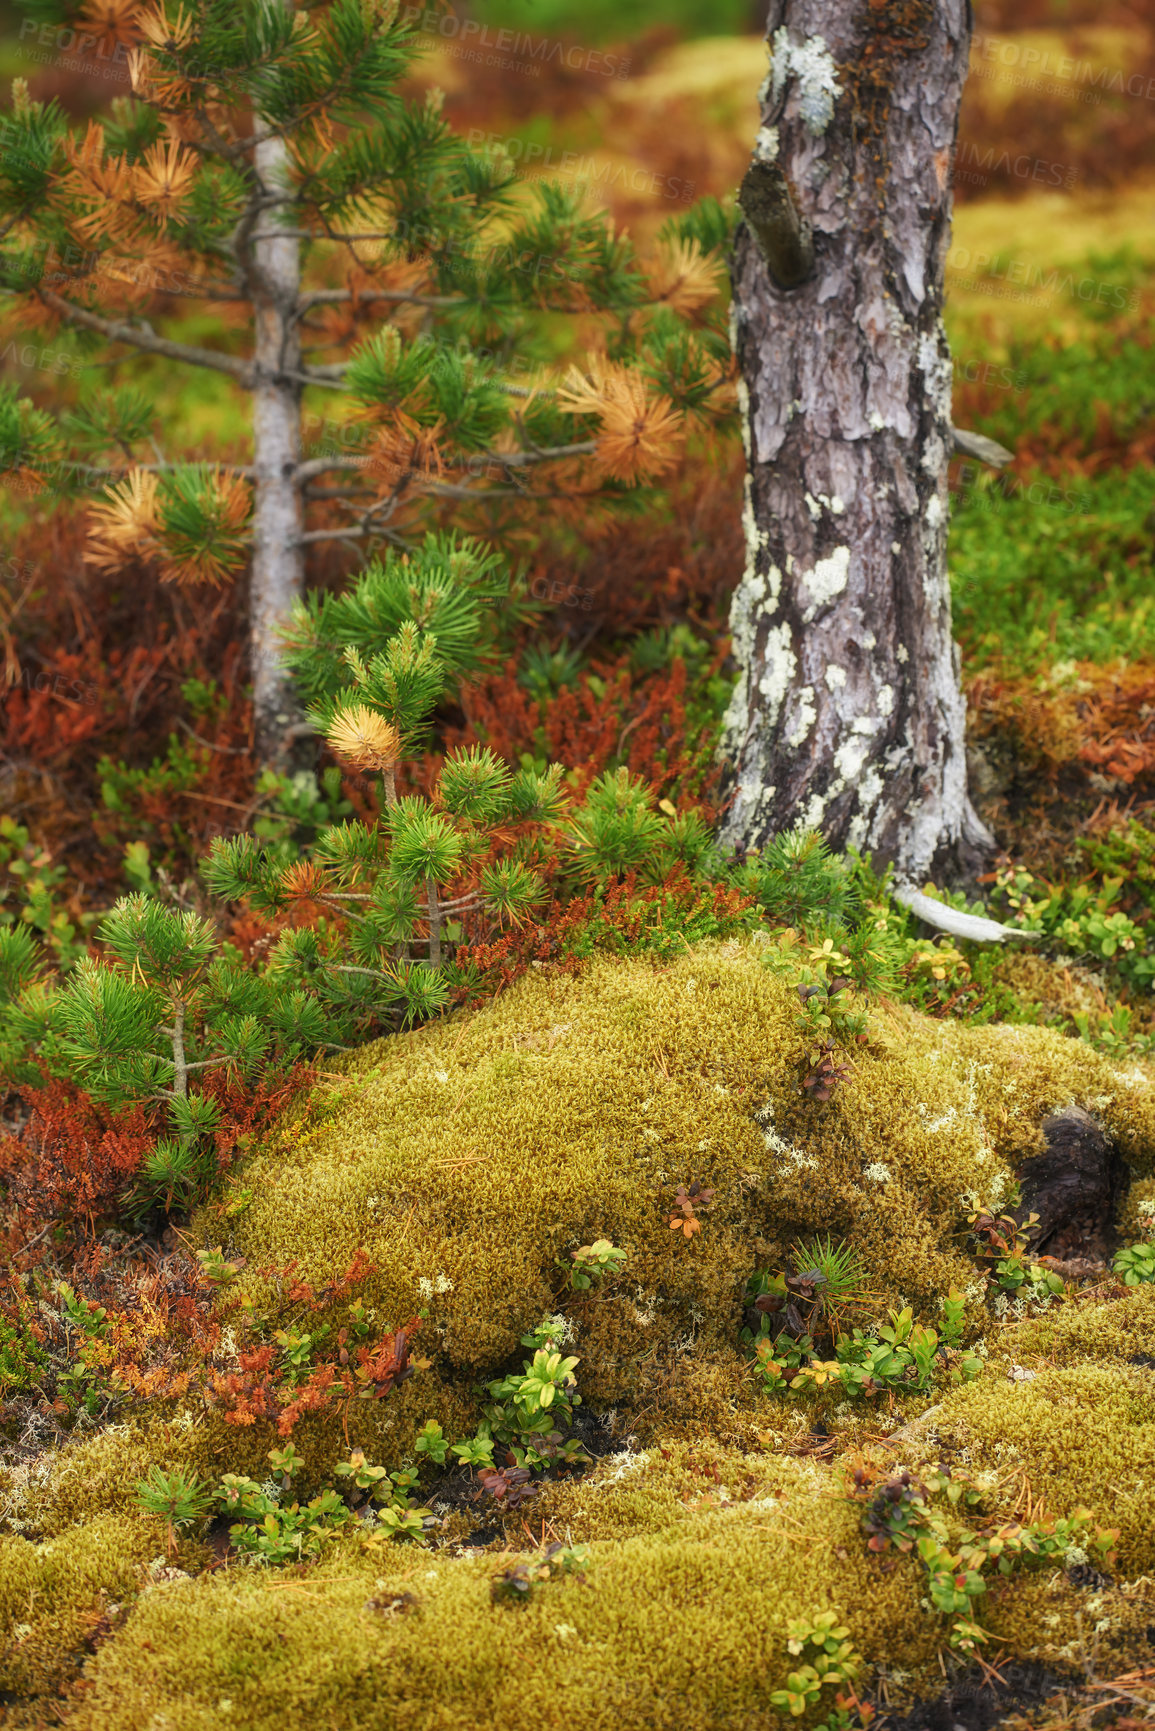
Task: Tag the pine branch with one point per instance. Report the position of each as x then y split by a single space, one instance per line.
403 297
320 377
147 341
521 459
316 494
442 490
179 1066
326 234
434 923
375 973
323 465
95 472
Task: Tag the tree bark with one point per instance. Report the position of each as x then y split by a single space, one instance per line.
278 570
847 714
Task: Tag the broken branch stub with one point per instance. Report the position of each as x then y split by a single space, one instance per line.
783 236
985 450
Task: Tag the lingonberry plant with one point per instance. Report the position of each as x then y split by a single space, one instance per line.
901 1512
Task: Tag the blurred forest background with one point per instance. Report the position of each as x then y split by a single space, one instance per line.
125 729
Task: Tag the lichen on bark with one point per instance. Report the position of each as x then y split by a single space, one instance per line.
846 403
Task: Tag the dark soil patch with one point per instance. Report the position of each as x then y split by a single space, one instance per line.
974 1703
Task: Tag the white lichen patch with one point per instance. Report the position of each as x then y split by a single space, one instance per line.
779 667
835 678
766 144
850 757
614 1468
811 64
934 455
878 1172
777 1144
807 716
743 393
935 365
828 579
816 810
823 502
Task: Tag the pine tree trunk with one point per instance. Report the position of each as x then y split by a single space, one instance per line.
278 520
434 923
848 715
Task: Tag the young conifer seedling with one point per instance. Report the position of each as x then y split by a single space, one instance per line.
361 262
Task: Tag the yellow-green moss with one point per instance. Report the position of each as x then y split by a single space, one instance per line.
467 1159
1086 1332
1137 1211
54 1595
699 1559
1055 989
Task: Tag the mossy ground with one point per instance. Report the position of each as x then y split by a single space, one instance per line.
467 1159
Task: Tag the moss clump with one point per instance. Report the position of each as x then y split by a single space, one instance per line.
59 1596
469 1157
1137 1212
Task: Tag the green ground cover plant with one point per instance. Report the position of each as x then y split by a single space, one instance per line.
1044 573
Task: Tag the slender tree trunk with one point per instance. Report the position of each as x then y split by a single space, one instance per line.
434 923
179 1064
278 520
847 714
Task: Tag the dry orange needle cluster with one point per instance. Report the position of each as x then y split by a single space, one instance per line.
129 523
364 738
640 434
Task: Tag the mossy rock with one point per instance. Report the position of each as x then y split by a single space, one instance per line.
467 1159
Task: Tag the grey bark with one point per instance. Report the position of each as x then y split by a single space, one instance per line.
278 569
847 714
179 1062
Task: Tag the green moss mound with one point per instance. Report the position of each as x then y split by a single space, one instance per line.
467 1159
700 1556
